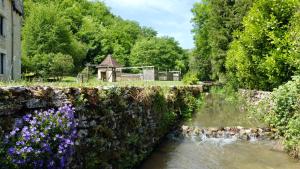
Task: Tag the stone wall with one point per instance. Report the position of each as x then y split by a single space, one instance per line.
118 127
254 97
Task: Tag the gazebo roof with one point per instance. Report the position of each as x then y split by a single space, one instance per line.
109 62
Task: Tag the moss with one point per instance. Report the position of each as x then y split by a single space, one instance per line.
5 95
6 124
103 131
128 121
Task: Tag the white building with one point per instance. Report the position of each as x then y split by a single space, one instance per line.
107 69
11 12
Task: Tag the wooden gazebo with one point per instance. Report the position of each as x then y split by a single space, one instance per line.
107 69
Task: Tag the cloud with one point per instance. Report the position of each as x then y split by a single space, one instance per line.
168 17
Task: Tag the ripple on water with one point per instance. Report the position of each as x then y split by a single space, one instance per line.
218 153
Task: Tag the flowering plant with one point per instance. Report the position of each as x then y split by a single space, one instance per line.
45 141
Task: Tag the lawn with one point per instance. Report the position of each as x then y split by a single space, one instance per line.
93 82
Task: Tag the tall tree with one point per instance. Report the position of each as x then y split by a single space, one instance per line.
45 31
163 53
215 22
119 38
85 30
264 54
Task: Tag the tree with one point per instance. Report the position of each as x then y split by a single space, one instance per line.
163 53
61 65
45 31
148 32
51 65
119 38
264 54
85 30
214 24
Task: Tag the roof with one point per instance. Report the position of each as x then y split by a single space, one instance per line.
18 6
109 62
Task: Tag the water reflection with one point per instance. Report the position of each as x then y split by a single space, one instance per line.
186 153
217 111
215 155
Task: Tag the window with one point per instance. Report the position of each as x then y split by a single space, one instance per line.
1 25
2 57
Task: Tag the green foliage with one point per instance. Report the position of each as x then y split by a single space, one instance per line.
51 65
292 136
264 55
200 64
191 104
190 78
231 95
119 38
163 52
286 102
134 109
45 31
284 113
3 153
88 31
214 25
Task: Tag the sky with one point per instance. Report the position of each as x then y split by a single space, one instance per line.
168 17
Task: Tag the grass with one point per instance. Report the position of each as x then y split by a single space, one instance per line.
93 82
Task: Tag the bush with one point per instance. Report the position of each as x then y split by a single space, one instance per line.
284 113
264 55
45 141
191 104
190 78
292 136
51 65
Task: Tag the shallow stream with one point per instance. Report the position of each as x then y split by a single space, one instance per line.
219 153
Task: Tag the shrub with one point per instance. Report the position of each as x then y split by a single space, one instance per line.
190 78
264 54
190 105
286 102
292 136
45 141
284 113
51 65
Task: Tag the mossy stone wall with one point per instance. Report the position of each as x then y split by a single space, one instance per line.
118 126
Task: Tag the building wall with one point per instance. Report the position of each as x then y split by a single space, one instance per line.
109 73
149 74
10 43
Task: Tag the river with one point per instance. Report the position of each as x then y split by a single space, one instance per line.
221 153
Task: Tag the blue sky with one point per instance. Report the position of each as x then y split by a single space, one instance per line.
167 17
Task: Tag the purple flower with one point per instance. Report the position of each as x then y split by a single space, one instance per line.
62 162
37 140
46 139
42 134
26 135
51 164
12 133
68 141
27 117
25 128
33 121
20 143
11 151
